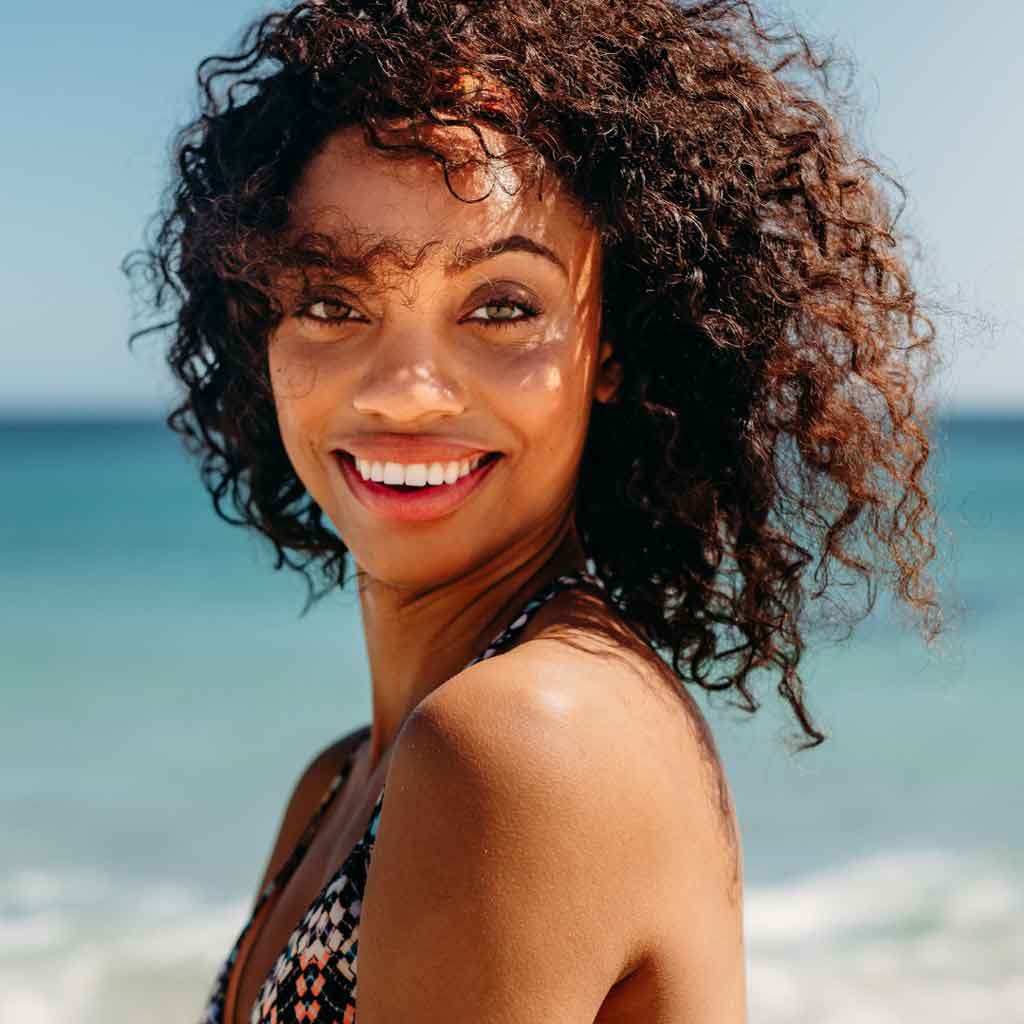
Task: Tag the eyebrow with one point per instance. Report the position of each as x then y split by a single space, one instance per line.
467 258
309 251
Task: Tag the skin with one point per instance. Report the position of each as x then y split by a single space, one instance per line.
516 828
409 361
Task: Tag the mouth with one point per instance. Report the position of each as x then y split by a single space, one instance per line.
414 493
409 487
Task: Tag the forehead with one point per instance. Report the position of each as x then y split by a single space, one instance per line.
363 197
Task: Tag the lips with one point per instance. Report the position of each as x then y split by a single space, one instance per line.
408 448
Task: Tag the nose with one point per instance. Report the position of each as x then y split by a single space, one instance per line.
405 380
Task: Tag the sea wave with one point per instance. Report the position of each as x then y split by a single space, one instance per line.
82 947
896 937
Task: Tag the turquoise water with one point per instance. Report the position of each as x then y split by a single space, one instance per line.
153 669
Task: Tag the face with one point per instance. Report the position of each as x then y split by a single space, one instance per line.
470 342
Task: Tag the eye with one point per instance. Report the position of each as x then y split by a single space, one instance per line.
503 311
326 311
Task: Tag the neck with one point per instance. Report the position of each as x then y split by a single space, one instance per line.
417 638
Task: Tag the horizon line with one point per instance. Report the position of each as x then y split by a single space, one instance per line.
113 416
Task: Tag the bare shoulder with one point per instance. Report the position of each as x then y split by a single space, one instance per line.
674 813
305 798
628 719
497 864
531 801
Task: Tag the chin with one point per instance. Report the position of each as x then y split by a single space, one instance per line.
420 561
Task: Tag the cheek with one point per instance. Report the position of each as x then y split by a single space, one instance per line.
544 408
293 373
545 394
553 373
300 406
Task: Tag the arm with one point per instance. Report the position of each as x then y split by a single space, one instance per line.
522 868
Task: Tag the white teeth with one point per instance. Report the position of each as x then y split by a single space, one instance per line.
416 474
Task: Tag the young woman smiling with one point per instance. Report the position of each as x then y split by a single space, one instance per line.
589 334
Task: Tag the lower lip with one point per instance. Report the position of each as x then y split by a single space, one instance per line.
413 506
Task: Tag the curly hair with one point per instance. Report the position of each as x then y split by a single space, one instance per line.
768 443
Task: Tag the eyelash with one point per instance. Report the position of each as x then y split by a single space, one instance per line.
528 311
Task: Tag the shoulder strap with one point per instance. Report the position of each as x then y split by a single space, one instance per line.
518 624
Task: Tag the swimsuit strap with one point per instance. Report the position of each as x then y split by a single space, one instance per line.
503 640
514 628
215 1009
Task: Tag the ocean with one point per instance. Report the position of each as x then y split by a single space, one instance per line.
153 669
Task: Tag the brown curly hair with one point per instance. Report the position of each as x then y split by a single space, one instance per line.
768 442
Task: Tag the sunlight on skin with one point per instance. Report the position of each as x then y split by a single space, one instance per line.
408 359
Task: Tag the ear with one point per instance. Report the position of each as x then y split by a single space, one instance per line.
609 374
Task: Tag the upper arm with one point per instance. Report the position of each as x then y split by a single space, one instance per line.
526 861
305 799
504 873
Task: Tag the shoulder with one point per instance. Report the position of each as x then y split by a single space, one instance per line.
525 816
305 798
611 718
530 733
611 725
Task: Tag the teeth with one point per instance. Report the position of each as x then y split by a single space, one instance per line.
417 474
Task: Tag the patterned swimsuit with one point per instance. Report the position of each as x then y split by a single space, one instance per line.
314 978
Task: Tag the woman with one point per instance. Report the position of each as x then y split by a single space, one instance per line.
580 334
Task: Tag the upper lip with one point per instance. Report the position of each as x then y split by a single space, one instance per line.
409 448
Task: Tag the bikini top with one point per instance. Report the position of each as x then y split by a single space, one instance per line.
314 977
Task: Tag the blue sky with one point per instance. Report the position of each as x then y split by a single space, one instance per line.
90 95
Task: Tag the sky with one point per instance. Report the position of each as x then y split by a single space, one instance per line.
90 95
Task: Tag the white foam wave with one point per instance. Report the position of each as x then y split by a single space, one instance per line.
926 936
33 888
81 947
891 938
